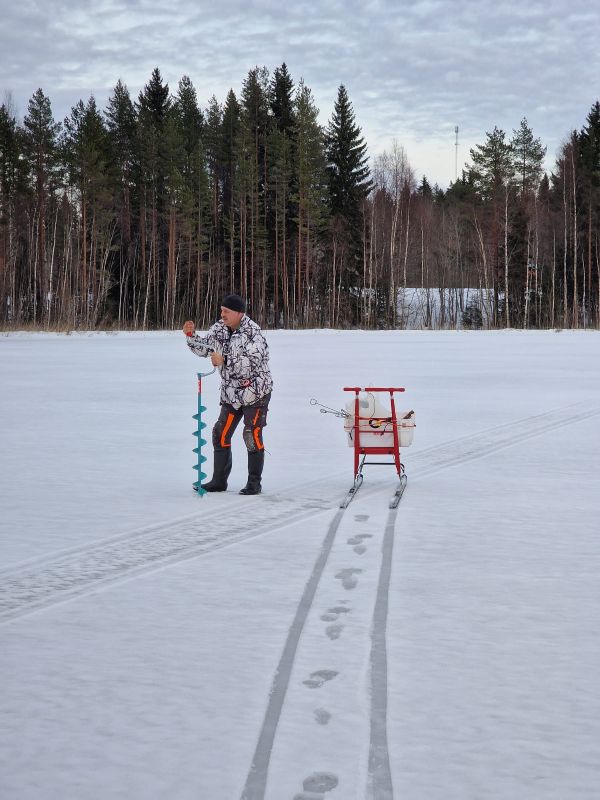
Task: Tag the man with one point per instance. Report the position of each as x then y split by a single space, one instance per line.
238 348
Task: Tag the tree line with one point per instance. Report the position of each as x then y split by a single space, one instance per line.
149 211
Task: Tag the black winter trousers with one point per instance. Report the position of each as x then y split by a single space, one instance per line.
255 419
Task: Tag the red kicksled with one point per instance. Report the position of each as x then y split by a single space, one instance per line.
375 430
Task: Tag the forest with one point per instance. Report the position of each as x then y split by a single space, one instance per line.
147 212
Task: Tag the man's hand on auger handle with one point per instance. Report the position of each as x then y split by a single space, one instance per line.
189 328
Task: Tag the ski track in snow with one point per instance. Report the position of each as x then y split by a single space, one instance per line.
39 584
43 582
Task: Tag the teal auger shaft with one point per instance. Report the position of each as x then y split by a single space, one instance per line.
201 441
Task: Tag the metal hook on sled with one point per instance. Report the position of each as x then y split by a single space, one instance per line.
326 410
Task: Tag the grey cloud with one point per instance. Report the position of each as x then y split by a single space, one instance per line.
413 69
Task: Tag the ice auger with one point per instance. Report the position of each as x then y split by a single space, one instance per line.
201 425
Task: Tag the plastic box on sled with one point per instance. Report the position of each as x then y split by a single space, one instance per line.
375 424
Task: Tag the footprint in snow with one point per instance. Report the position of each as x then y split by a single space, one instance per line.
316 785
333 613
318 678
357 541
348 577
322 716
334 631
361 517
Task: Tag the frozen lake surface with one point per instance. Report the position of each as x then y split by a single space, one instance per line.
154 644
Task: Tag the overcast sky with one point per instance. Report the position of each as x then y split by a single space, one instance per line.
414 69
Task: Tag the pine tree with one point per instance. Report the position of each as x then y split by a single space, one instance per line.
528 157
215 175
310 194
85 150
492 175
254 179
282 178
189 201
493 164
153 108
121 122
41 152
229 132
10 150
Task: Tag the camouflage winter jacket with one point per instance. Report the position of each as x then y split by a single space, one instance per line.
245 375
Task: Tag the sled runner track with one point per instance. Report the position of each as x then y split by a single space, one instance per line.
379 774
39 583
257 776
379 781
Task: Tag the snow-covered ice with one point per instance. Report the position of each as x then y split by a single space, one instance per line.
154 644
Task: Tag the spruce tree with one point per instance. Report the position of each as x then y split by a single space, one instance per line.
190 123
349 184
589 170
424 188
282 100
347 164
590 146
9 157
228 125
121 124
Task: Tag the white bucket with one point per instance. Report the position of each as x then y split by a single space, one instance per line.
375 427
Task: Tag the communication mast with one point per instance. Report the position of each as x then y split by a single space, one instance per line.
456 154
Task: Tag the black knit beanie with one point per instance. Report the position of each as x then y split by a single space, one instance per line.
233 302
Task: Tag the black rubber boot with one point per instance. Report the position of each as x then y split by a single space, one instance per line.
255 467
221 470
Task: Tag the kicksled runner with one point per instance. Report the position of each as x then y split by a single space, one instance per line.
375 430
